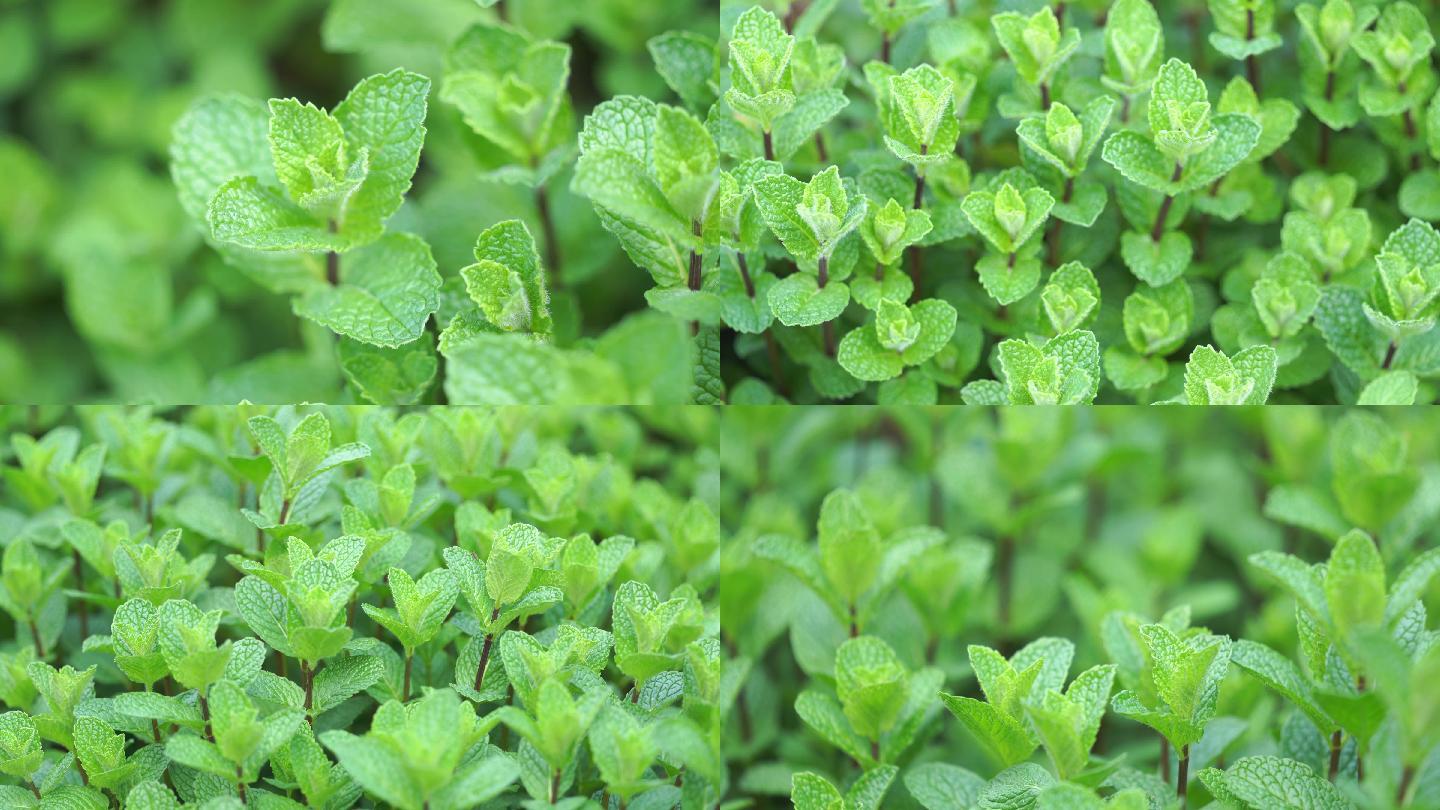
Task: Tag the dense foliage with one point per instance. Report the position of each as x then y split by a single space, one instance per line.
121 120
903 201
328 608
1214 203
1082 608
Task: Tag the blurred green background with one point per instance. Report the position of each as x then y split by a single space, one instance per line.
107 292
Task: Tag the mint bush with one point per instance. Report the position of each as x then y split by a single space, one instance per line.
867 201
1120 608
360 607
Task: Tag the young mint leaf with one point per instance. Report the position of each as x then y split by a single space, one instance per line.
1211 378
386 292
1065 370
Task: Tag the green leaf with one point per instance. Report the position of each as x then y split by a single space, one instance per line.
383 115
942 786
343 677
872 685
398 376
1035 44
811 791
374 766
1211 378
1156 263
1139 160
1157 319
202 755
797 300
689 64
1070 297
514 369
507 281
919 116
1134 46
1008 282
1282 675
1002 737
308 147
1065 370
1007 218
250 215
220 138
889 230
1265 781
386 293
901 336
1355 583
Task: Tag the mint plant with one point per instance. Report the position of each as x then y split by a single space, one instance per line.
1102 629
505 205
375 637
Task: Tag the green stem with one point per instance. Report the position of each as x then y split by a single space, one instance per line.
409 661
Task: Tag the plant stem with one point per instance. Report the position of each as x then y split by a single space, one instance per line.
820 150
1044 96
696 260
854 623
485 651
875 750
919 202
1324 156
885 47
1182 776
769 146
1165 758
1407 775
35 635
552 242
308 676
554 785
205 713
1389 355
1159 229
240 783
80 586
771 348
1335 740
33 788
1125 108
409 661
1359 761
284 511
744 266
827 329
1053 238
1004 564
1411 133
1252 69
332 262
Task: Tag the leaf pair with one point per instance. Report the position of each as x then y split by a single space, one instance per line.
1025 707
1187 670
420 755
279 188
